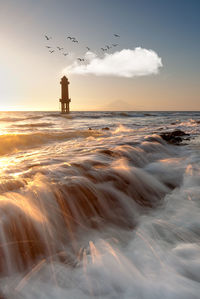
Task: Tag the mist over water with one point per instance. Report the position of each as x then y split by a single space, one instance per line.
98 205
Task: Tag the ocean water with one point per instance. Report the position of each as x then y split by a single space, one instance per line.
98 205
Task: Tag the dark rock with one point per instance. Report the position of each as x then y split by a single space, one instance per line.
179 133
106 128
107 152
175 137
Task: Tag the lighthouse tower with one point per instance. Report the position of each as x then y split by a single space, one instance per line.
64 95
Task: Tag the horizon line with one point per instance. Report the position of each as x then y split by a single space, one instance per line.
101 111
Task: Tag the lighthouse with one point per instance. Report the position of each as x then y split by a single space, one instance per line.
64 95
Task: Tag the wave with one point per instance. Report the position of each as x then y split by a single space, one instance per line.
11 143
110 114
122 222
101 114
16 119
11 185
85 195
11 119
35 125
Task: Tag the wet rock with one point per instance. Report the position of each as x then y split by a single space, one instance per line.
179 133
175 137
106 129
107 152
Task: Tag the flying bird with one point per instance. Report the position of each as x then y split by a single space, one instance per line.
80 59
65 54
52 51
114 45
73 39
104 49
48 37
60 48
88 48
48 47
116 35
108 47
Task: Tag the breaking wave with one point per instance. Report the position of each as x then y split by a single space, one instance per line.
114 189
11 143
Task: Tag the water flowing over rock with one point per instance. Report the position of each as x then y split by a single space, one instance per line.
99 213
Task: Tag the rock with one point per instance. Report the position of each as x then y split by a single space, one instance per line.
107 152
175 137
106 128
179 133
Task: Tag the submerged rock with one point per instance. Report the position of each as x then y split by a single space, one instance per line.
108 152
175 137
106 128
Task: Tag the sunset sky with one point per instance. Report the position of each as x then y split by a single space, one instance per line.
30 75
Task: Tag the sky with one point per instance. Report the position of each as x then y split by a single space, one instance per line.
156 65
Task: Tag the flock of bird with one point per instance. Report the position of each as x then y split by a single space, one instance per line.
74 40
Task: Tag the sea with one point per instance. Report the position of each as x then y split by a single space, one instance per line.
98 205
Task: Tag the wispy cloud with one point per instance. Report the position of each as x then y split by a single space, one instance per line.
125 63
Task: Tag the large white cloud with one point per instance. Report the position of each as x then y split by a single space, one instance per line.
125 63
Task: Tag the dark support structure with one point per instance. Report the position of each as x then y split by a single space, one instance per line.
64 95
